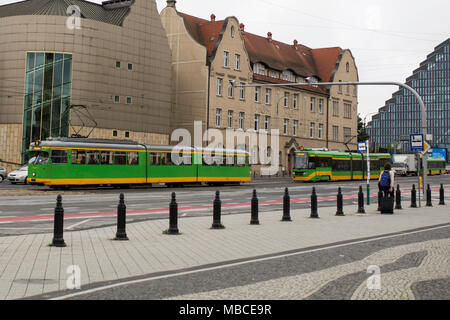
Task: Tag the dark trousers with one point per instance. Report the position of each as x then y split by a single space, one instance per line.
386 192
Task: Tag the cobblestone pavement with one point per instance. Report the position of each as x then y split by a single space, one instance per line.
402 269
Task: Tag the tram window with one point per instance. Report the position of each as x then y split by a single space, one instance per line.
240 161
59 156
93 157
323 162
154 159
181 159
133 158
107 157
120 158
165 159
357 165
230 161
39 158
78 157
212 159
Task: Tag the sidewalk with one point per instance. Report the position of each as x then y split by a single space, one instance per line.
29 266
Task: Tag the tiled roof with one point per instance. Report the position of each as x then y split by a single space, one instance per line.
112 12
303 61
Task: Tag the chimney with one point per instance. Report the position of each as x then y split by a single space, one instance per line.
213 17
242 26
295 43
171 3
269 36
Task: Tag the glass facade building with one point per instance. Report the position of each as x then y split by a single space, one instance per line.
47 101
401 115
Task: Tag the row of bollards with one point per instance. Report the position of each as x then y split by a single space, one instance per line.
121 235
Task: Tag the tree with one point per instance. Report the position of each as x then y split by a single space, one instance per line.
362 133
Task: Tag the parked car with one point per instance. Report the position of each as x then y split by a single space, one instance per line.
3 174
19 175
447 170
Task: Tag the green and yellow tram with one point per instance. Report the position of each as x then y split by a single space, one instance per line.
312 165
82 162
436 166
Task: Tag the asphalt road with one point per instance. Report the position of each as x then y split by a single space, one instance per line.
337 271
29 209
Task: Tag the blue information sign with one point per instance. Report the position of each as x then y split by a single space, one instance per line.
417 143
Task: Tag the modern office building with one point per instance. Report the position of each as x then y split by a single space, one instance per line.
210 54
106 74
401 115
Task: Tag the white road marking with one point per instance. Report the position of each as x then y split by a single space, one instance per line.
242 263
77 224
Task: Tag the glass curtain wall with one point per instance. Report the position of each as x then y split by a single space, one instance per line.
48 87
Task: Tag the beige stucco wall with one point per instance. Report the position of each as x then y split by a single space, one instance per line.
96 81
189 73
341 74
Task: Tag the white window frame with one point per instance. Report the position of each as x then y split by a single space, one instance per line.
242 91
230 89
267 123
286 99
295 128
321 106
286 126
241 120
230 118
226 59
312 105
296 96
256 123
257 94
312 130
219 87
268 96
237 61
218 117
320 131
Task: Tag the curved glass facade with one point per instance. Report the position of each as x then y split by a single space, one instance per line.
48 84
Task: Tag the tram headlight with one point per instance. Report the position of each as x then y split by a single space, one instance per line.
34 174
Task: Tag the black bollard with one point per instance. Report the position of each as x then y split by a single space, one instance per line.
361 201
217 212
314 211
398 199
340 203
58 228
429 203
173 216
254 220
286 206
121 234
442 196
380 195
414 197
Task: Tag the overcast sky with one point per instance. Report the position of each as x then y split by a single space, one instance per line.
388 38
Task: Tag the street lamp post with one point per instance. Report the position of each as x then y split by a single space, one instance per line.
383 83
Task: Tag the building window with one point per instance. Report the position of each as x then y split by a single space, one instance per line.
218 117
312 130
237 62
336 108
340 87
335 133
115 133
258 68
230 119
288 76
219 86
286 99
321 106
354 91
347 90
320 136
127 134
273 74
226 59
232 31
347 110
118 64
257 94
347 67
267 123
129 100
242 91
313 105
130 66
256 122
296 101
116 99
286 126
230 89
268 96
295 127
241 120
347 134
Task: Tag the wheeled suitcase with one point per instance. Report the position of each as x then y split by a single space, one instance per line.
387 204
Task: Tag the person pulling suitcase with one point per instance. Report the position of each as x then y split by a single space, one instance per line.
386 186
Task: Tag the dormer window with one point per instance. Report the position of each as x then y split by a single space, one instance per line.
258 68
273 74
288 76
